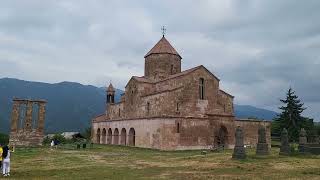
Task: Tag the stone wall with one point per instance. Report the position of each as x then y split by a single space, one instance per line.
251 127
178 96
160 66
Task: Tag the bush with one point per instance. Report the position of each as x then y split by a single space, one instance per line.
4 139
46 140
59 138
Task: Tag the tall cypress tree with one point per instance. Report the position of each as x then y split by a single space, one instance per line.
291 118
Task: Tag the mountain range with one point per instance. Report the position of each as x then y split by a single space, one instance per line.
71 106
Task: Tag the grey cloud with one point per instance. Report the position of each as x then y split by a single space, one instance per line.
257 48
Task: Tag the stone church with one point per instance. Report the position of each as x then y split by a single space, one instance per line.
171 109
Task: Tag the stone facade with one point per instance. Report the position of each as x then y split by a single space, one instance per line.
27 122
170 109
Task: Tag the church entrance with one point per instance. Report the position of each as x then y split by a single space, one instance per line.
221 138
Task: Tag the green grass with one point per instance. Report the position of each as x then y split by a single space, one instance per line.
116 162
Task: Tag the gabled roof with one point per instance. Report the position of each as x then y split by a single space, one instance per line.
162 47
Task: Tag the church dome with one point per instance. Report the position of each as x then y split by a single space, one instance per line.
162 47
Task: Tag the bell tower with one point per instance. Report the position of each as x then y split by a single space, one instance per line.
110 94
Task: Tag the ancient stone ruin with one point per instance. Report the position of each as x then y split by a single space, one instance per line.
239 151
262 146
302 141
310 145
27 122
285 147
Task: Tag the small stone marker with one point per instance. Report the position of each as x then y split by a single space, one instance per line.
285 148
262 146
239 152
302 141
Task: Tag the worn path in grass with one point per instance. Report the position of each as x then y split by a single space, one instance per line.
116 162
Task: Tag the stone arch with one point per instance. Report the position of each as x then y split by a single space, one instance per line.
104 134
98 135
221 137
132 137
123 139
116 136
109 137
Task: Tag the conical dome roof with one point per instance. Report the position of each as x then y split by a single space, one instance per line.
162 47
110 88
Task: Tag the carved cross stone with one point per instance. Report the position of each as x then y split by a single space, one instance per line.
239 152
302 141
262 146
285 148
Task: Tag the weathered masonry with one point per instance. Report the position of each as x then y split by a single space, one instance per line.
27 122
172 109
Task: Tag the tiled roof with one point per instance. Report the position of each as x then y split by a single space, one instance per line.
162 47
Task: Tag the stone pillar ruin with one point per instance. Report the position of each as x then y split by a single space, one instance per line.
262 146
239 151
302 141
15 116
26 134
28 117
41 116
285 147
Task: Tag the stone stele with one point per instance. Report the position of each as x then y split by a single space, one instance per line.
285 147
239 152
262 146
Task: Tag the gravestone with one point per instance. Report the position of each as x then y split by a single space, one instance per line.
239 152
262 146
302 141
285 147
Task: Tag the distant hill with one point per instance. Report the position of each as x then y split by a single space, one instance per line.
246 111
71 105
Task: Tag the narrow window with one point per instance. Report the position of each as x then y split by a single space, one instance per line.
148 108
201 88
178 127
171 69
119 112
177 106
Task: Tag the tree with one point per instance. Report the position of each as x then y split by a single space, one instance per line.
291 118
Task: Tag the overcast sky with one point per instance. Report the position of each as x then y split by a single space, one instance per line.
257 48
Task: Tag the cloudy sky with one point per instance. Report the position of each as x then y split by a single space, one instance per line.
257 48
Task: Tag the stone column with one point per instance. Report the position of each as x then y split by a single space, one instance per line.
28 118
239 152
285 146
262 146
41 116
302 141
15 116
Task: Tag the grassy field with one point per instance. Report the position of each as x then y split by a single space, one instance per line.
115 162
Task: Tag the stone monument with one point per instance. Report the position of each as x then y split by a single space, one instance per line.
239 152
27 122
262 146
285 147
302 141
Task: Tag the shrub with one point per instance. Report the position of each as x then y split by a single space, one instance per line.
4 139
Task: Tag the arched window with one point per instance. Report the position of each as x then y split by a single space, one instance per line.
148 108
119 112
201 88
178 127
177 106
